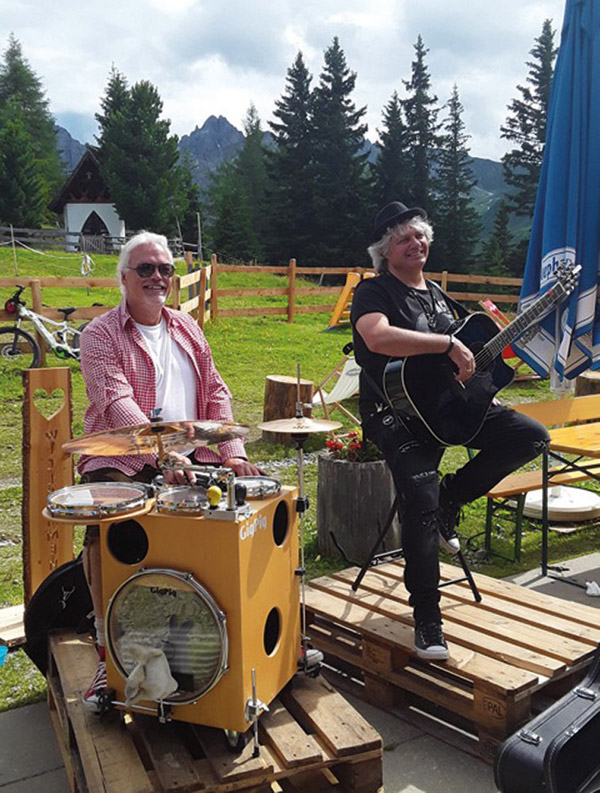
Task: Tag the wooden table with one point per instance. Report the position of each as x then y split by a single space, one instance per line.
583 441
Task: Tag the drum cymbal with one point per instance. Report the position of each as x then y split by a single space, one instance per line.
301 426
144 438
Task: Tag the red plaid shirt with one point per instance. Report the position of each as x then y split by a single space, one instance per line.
120 383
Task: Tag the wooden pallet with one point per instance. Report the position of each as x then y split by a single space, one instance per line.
508 654
311 740
12 632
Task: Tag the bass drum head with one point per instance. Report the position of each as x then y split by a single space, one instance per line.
61 601
171 611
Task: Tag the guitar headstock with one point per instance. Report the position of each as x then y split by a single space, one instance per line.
567 275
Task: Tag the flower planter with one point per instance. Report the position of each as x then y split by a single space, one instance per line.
353 502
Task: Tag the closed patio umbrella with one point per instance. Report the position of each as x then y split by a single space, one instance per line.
566 223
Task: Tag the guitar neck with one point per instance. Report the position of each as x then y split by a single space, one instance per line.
520 324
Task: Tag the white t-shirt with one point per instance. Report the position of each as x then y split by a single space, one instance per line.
175 375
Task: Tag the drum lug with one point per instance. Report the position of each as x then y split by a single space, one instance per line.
301 504
164 712
106 701
300 571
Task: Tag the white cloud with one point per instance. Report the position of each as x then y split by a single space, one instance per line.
216 58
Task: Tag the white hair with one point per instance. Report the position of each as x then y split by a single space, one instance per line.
378 250
141 238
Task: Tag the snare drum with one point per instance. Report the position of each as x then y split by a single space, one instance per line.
97 500
182 499
259 486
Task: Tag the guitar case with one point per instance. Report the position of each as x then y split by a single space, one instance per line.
62 600
559 750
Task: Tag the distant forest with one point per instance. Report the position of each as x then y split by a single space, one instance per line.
307 187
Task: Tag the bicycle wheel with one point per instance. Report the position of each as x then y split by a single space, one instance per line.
18 351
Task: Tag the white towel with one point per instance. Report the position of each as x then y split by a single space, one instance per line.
151 677
593 590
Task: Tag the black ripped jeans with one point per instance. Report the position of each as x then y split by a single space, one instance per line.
506 441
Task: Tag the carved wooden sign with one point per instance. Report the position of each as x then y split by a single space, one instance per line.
47 415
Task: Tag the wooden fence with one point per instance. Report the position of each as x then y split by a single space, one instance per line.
473 289
61 239
199 294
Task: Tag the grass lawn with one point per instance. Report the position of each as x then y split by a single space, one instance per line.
246 350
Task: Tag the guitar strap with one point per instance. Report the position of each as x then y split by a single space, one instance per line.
459 310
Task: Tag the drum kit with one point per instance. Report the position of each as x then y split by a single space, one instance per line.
219 572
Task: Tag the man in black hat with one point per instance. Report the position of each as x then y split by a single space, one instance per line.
400 314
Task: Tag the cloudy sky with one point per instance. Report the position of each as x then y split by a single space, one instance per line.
215 58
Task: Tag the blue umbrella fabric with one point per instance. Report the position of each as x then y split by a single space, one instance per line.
566 221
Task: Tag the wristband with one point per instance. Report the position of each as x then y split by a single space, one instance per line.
450 345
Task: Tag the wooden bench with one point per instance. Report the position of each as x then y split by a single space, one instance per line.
551 413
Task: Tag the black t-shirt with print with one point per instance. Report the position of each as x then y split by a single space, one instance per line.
426 310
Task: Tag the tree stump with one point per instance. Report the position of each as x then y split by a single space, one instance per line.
587 383
353 502
281 395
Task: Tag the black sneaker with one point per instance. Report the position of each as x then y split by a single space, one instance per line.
429 641
448 518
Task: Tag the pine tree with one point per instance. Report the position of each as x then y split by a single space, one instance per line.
251 165
22 187
114 100
340 181
230 231
187 200
422 132
139 162
498 252
457 224
290 169
391 170
19 84
526 126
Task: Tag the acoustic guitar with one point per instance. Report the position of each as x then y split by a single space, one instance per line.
453 412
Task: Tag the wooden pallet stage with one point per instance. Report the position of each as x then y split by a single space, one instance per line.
509 655
311 740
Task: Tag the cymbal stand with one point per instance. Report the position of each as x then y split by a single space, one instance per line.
299 440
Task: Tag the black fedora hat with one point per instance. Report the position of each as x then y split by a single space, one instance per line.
391 215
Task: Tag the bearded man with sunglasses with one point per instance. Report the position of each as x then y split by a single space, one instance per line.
140 356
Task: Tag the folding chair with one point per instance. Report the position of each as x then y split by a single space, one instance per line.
492 310
346 386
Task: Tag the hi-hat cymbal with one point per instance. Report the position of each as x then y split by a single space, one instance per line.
144 438
299 426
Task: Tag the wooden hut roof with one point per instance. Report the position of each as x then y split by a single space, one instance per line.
85 185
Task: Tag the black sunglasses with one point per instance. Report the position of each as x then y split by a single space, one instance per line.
145 270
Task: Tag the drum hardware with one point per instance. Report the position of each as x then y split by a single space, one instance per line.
163 712
300 427
254 707
212 483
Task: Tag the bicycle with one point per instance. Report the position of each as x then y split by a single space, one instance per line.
20 350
